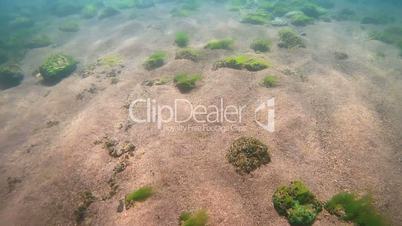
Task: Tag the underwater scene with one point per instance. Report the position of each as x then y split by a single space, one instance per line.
201 112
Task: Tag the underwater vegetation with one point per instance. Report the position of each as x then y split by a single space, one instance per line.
57 66
69 26
297 203
185 82
188 54
108 12
110 60
156 60
89 11
10 76
242 62
226 43
81 211
390 35
270 81
138 195
247 154
298 18
289 39
198 218
349 207
38 42
256 18
261 45
182 39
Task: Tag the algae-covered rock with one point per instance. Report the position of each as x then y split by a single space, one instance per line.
57 66
243 62
108 12
182 39
289 39
261 45
198 218
256 18
188 54
156 60
297 203
247 154
226 43
38 42
185 82
69 26
10 76
298 18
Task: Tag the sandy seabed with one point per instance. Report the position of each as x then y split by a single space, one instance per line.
338 125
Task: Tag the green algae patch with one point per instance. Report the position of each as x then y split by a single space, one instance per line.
243 62
289 39
256 18
182 39
156 60
261 45
297 203
189 54
57 66
361 211
198 218
185 82
247 154
226 43
110 60
139 195
269 81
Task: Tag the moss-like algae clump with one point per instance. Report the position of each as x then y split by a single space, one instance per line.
188 54
289 39
270 81
138 195
349 207
57 66
261 45
182 39
247 154
156 60
198 218
297 203
242 62
185 82
226 43
256 18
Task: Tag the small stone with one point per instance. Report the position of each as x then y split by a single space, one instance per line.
120 207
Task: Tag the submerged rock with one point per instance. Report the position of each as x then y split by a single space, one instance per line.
57 66
10 76
247 154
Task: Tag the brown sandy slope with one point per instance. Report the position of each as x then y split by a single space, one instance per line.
338 127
